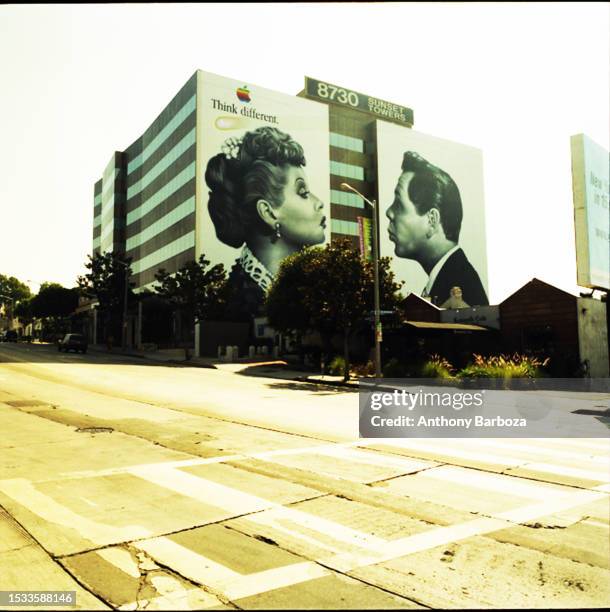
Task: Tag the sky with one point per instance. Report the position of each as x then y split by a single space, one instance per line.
513 79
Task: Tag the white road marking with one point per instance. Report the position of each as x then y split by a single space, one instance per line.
496 483
220 578
587 454
448 449
562 470
276 578
207 460
122 559
186 562
454 533
205 491
25 493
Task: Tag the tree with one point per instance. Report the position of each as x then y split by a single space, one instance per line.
54 304
106 283
12 291
23 311
54 301
329 290
196 291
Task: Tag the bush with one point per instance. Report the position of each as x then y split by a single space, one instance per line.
503 366
361 370
337 366
437 367
393 369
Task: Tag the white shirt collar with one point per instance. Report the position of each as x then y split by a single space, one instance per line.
437 268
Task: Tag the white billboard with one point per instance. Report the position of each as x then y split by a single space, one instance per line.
591 214
263 191
432 214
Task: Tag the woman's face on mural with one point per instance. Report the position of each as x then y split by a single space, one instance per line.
301 215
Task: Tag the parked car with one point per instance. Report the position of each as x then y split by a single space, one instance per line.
11 336
72 342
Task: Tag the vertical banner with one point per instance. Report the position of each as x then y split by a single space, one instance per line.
264 193
365 236
432 214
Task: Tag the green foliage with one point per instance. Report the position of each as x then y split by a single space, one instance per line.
437 367
54 301
337 366
329 290
362 370
105 281
284 306
23 311
12 290
195 289
503 366
393 369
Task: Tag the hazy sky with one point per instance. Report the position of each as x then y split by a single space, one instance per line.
516 80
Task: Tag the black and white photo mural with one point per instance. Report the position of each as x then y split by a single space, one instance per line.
265 160
432 215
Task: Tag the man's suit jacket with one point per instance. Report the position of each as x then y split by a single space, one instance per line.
458 272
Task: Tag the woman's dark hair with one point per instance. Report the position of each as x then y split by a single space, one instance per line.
432 187
258 172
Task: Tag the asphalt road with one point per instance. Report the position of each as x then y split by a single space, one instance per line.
141 485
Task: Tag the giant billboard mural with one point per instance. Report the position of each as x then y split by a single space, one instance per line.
264 189
432 215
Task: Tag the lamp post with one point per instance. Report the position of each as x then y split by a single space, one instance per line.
376 276
124 322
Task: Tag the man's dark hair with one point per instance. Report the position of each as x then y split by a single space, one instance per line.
432 187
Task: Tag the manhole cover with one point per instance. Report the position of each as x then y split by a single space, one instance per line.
26 403
94 430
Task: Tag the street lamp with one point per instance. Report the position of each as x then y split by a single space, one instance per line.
124 328
372 204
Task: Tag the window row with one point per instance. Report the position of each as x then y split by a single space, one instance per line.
346 142
347 170
163 135
164 163
346 199
170 187
108 184
171 250
349 228
180 212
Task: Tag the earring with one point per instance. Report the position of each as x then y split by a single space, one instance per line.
277 231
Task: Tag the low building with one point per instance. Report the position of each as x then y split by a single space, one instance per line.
571 331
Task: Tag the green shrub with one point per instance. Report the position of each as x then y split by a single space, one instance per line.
437 367
393 369
361 370
337 366
503 366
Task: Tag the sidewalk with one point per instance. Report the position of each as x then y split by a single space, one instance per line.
259 365
267 367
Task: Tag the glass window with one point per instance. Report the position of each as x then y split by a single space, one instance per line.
164 192
173 248
180 212
162 136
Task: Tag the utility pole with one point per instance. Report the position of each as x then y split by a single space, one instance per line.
378 331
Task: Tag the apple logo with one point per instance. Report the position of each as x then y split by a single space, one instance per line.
243 94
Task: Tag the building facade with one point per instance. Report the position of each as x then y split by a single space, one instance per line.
145 204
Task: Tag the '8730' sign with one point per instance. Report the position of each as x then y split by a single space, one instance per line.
333 94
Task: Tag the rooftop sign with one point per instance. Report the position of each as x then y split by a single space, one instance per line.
332 94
